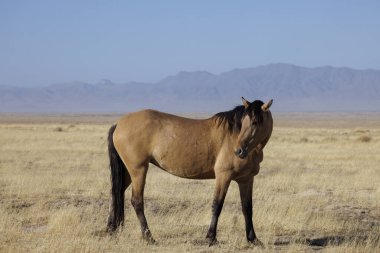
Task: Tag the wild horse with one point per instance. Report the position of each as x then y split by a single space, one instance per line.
228 146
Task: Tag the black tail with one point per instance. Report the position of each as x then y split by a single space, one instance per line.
118 178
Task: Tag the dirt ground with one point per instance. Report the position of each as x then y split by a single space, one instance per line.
318 190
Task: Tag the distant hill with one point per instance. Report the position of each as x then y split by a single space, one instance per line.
293 88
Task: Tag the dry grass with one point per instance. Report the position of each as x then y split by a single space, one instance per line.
317 186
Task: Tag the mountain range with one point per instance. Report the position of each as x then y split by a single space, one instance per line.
293 88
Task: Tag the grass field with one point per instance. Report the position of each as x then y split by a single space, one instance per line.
318 189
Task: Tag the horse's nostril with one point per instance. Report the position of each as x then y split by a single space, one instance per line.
239 151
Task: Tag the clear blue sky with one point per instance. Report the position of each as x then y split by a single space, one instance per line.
44 42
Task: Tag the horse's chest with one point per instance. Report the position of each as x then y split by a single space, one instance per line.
246 171
249 166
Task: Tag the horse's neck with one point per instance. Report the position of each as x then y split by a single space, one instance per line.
221 135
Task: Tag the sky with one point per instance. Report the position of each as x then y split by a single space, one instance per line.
47 41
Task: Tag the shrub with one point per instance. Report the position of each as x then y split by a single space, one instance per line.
365 138
58 129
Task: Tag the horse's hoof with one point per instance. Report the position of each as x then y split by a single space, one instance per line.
257 242
212 242
151 241
110 230
147 236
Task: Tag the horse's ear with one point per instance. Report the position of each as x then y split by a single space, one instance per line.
265 107
246 103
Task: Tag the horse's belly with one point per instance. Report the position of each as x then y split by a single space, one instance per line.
185 165
190 174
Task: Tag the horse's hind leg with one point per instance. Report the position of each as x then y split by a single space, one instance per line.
138 183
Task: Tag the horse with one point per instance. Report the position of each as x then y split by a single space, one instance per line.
226 147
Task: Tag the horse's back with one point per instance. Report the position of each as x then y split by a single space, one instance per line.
148 122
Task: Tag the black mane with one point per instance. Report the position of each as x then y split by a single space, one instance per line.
233 117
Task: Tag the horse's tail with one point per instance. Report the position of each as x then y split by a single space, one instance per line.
118 181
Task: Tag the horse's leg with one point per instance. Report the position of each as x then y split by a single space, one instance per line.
221 186
138 183
245 189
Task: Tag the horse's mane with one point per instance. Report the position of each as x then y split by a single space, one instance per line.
233 117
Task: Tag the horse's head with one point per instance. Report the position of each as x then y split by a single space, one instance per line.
256 127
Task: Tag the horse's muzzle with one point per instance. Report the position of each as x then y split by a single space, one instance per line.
241 152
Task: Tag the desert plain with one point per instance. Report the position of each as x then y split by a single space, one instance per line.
318 190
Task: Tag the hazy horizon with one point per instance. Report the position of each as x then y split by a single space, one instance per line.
68 81
55 42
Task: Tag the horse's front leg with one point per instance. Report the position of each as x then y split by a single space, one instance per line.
245 188
221 186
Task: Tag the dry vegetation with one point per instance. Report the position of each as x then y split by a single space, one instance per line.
318 189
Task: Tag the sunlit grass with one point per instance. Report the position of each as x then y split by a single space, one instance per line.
315 184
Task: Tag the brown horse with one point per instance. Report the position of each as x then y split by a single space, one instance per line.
227 146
